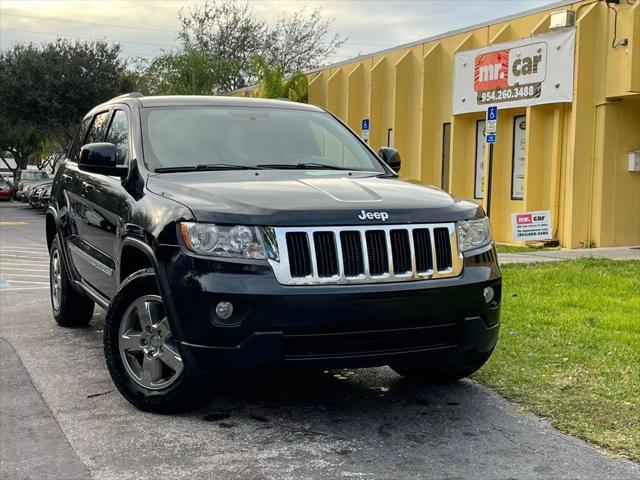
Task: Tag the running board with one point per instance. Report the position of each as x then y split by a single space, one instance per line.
93 294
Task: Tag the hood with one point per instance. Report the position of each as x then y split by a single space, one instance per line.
307 197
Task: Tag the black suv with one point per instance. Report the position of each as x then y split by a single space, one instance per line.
226 235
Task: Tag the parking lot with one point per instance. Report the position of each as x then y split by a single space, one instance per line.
62 418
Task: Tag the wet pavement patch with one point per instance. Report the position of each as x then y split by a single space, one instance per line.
216 416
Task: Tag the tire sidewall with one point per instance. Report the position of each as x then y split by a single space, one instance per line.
161 401
55 247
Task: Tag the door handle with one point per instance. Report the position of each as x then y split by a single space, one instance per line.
66 178
87 187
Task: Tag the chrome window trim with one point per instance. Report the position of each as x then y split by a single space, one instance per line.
283 275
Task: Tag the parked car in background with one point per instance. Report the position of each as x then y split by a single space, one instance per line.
26 178
5 190
39 196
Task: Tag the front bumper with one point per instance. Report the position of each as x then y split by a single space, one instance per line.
444 320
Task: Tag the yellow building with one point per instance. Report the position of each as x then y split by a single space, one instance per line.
569 157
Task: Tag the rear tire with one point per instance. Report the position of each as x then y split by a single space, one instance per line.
429 374
143 359
70 307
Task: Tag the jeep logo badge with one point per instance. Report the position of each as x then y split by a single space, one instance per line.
384 216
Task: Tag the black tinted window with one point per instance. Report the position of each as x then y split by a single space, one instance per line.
118 134
98 127
79 140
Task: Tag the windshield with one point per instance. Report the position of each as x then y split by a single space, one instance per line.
33 175
233 137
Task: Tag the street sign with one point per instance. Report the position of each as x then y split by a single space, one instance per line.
491 128
365 129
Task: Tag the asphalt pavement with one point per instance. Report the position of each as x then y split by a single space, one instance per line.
61 417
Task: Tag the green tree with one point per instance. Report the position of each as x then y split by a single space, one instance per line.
191 71
274 83
229 32
46 90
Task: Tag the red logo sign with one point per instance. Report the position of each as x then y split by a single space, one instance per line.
524 219
491 71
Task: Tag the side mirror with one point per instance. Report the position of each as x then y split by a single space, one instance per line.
391 157
100 158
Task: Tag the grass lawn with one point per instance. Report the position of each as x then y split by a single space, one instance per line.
569 349
523 249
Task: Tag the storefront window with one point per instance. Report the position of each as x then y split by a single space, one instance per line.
518 157
479 164
446 146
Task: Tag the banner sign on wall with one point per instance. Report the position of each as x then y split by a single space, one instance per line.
531 226
520 73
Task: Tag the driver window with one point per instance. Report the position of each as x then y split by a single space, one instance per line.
333 149
118 134
96 132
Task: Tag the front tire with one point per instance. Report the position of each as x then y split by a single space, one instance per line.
70 307
142 356
430 374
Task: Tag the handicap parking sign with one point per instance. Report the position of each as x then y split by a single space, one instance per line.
365 129
492 113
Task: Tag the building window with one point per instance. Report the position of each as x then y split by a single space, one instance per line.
446 147
479 163
518 157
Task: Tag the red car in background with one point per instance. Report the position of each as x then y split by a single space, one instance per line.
5 190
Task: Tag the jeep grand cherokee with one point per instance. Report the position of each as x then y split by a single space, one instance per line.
225 235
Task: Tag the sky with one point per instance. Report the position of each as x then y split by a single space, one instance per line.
145 28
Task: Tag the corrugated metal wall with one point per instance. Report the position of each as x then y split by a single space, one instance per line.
576 153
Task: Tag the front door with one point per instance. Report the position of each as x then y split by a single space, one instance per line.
97 211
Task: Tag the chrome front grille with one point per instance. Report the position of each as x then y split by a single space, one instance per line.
366 254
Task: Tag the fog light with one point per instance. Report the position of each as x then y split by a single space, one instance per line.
224 310
488 294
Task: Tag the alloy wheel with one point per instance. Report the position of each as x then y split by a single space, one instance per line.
148 351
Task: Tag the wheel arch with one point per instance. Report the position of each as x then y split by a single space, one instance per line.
51 226
137 258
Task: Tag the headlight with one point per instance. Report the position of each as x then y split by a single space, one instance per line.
227 241
473 234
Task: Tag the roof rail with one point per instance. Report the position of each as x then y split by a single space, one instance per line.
129 95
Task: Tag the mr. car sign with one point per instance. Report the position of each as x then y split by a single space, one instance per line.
515 74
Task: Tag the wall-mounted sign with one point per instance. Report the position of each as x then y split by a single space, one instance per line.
479 164
518 157
531 226
530 71
365 129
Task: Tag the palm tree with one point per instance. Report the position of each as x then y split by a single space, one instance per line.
274 84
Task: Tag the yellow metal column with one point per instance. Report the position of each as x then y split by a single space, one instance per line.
406 120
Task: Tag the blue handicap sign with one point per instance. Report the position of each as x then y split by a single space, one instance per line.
492 113
491 138
365 124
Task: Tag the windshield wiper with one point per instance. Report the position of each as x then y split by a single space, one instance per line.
205 166
303 166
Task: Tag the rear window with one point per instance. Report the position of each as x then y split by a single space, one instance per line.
33 175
